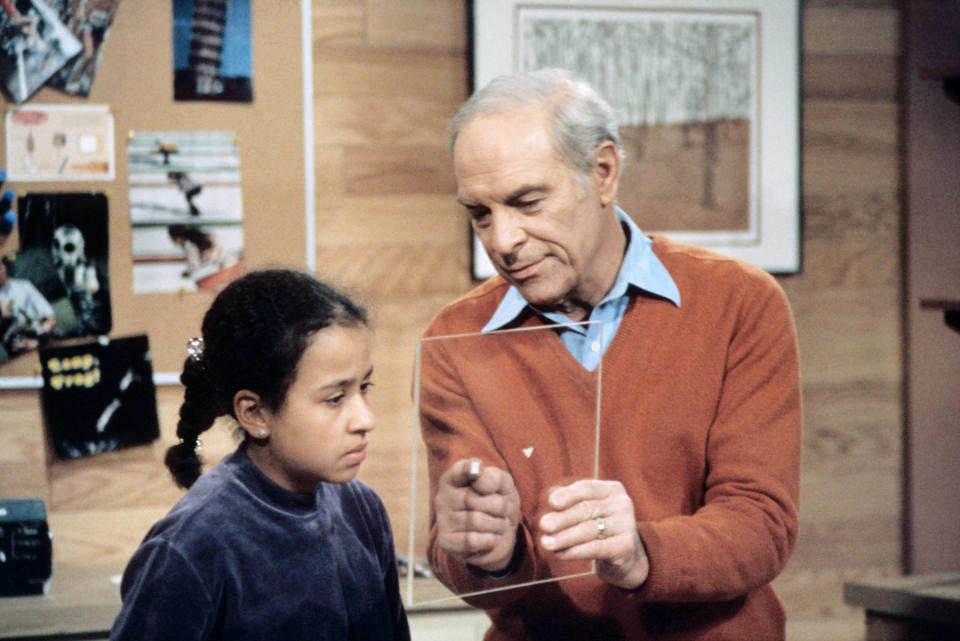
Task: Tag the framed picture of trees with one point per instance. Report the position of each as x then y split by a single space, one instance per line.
707 95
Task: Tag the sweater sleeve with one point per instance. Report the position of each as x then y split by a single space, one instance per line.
163 597
742 535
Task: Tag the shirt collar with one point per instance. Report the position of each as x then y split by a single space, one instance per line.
640 268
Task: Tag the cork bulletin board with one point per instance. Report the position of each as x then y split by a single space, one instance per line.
135 81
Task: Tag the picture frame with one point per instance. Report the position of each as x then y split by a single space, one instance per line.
712 141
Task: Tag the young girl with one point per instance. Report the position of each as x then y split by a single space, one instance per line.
278 541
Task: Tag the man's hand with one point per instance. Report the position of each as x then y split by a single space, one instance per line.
595 520
478 510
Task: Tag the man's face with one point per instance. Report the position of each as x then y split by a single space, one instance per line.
542 231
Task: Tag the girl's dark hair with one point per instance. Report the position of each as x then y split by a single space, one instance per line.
253 337
195 235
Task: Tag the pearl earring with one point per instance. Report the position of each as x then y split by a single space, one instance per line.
262 433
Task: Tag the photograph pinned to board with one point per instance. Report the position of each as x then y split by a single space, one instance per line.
212 50
56 285
34 45
99 395
186 210
89 21
60 142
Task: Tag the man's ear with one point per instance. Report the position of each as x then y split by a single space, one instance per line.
251 413
606 172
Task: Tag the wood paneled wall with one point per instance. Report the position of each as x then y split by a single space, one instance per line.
388 76
847 305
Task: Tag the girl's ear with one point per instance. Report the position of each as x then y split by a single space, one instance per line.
251 413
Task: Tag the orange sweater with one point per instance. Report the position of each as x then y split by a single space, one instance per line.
700 421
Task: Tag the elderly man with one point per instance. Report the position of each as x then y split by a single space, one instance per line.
694 511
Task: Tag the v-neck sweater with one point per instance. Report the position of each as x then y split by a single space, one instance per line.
699 419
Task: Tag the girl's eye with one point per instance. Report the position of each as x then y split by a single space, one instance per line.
365 387
334 400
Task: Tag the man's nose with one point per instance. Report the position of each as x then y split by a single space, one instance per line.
505 234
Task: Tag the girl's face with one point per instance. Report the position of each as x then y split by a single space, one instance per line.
320 431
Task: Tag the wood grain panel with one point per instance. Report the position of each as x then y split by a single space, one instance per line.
851 218
124 479
394 270
384 72
393 169
385 221
22 436
328 174
848 543
850 77
854 495
818 593
864 261
848 335
100 536
855 127
375 120
393 23
845 30
850 148
851 425
24 480
338 21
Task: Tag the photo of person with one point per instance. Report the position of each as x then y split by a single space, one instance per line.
34 44
208 263
186 210
90 21
26 318
64 254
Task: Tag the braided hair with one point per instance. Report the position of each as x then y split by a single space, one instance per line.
253 336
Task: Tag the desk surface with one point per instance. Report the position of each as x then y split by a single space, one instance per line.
926 597
81 600
85 600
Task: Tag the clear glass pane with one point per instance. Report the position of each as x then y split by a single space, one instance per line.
515 399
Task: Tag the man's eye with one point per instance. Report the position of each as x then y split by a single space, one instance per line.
480 217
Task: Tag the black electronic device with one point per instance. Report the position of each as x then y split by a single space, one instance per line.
26 549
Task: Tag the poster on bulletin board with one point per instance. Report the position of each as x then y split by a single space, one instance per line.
99 396
60 142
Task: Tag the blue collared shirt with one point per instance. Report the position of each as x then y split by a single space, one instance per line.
588 341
